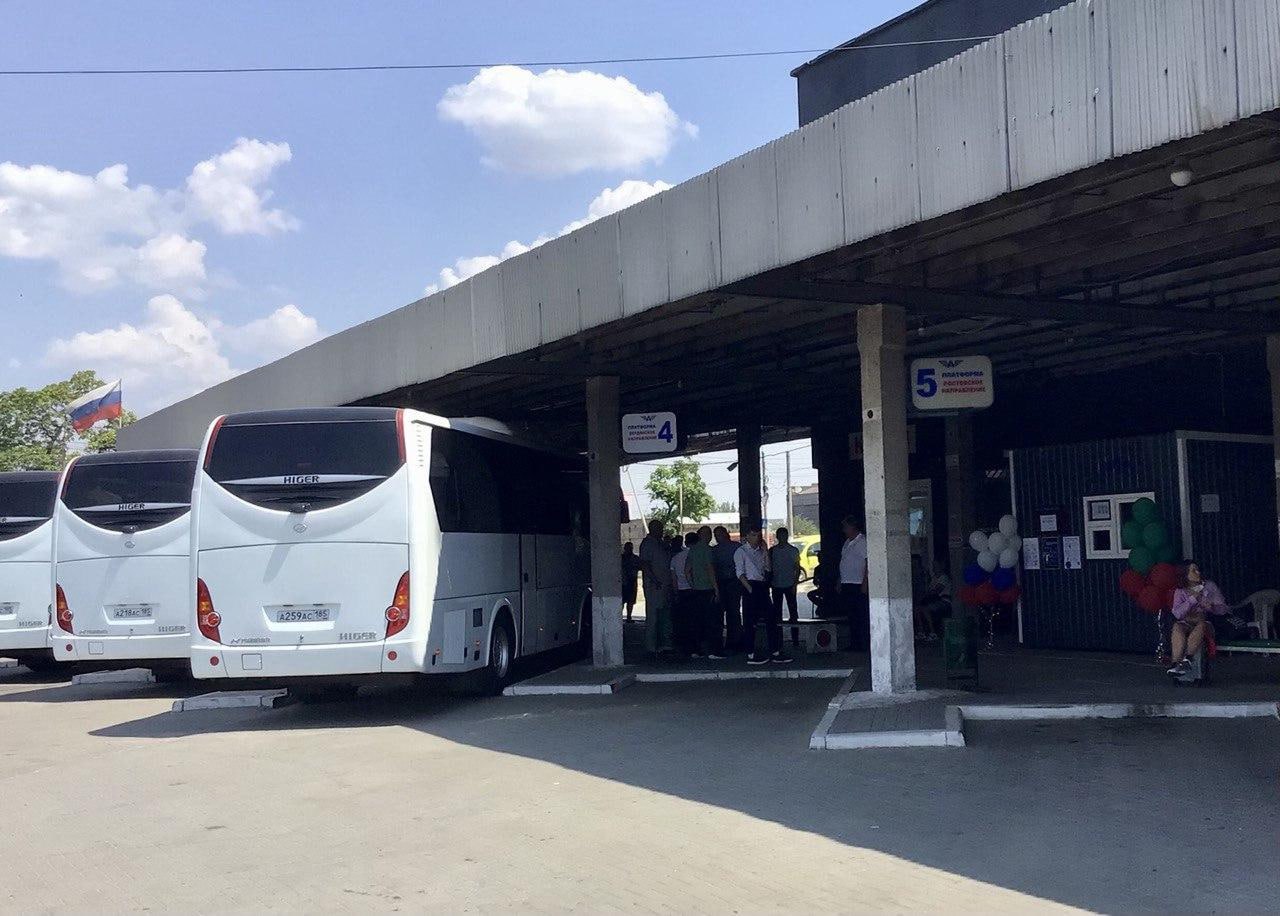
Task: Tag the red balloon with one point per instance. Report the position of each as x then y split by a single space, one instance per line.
968 596
1132 583
1151 599
1010 595
986 593
1164 576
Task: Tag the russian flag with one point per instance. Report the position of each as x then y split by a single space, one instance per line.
103 403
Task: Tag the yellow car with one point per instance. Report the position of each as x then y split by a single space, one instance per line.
808 545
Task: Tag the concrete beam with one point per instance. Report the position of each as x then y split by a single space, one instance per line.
882 337
603 454
1273 367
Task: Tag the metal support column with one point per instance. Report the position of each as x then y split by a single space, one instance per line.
961 502
882 333
1273 366
603 460
750 511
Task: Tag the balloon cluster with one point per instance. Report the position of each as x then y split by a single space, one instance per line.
1151 576
993 578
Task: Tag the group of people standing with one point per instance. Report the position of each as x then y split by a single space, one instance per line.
706 594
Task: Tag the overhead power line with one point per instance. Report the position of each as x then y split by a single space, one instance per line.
369 68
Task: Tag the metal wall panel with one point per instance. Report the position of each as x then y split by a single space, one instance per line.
747 189
555 290
810 212
1058 87
1173 69
691 217
964 154
642 240
1085 609
1258 55
1236 545
520 308
456 342
488 320
879 142
596 273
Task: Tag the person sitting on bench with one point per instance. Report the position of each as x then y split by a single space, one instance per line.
1193 602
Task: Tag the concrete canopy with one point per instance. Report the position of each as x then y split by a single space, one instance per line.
1016 200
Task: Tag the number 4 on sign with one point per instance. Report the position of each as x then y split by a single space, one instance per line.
665 432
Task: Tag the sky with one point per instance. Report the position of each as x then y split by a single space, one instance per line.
174 230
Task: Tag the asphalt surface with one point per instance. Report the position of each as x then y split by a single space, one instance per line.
681 798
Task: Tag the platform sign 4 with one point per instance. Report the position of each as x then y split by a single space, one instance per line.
649 433
952 383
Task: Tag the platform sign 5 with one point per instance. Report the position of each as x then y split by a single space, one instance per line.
952 383
649 433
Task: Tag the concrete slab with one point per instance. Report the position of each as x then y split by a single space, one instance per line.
536 688
864 740
234 699
123 676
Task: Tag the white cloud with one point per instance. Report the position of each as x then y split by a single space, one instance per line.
608 201
100 231
226 189
561 123
174 353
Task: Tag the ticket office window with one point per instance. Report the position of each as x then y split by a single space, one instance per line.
1104 519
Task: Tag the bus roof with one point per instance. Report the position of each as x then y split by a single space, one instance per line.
310 415
142 456
28 476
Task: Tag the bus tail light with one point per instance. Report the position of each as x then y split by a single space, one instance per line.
207 619
398 612
213 437
62 615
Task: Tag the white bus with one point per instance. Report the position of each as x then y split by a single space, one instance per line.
26 549
121 560
374 541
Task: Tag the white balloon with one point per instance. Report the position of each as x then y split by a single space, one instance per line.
996 543
978 541
1013 542
1008 526
1008 558
988 561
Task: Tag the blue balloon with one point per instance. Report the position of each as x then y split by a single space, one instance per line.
1003 578
974 574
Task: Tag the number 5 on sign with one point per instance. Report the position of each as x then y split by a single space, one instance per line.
926 382
952 383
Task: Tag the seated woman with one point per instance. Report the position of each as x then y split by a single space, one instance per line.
1193 602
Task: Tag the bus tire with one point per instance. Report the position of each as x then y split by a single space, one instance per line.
502 656
584 648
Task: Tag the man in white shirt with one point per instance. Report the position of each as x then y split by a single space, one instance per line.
655 574
853 583
752 565
681 619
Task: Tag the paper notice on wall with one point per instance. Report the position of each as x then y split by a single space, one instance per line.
1070 553
1030 553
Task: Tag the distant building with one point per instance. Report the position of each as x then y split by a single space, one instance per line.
804 503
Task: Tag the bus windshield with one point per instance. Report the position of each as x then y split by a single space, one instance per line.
297 467
130 496
25 504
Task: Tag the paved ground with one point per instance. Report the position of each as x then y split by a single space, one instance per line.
687 798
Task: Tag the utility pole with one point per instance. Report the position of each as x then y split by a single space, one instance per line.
764 499
791 522
680 521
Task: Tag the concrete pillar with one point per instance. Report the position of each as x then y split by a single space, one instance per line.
749 509
1273 365
882 334
603 468
961 502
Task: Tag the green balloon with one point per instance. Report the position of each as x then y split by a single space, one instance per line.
1155 535
1144 511
1167 553
1141 559
1131 534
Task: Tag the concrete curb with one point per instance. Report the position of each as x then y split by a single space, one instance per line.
847 741
818 740
678 677
234 699
125 676
622 682
1070 711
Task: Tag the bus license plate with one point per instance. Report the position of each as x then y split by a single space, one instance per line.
131 612
304 615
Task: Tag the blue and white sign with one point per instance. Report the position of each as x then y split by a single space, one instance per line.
952 383
649 433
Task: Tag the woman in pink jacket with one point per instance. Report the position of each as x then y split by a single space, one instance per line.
1192 605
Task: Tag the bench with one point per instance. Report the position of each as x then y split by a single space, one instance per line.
1253 646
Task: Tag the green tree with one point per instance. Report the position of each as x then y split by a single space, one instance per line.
679 484
726 506
803 527
35 431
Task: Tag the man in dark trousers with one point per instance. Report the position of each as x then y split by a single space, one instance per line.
729 587
853 583
752 564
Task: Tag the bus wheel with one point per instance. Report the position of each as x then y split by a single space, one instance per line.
501 656
584 630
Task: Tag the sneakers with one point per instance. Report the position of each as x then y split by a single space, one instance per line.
1181 667
754 659
716 657
781 658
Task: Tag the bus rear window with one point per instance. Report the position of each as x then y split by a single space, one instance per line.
297 467
25 505
130 496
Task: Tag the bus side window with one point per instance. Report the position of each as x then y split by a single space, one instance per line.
444 484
